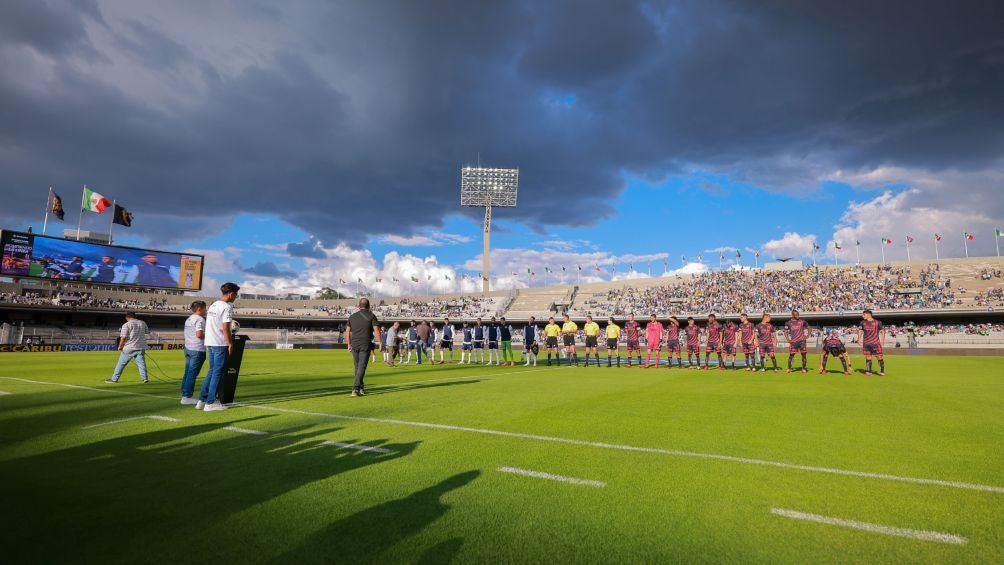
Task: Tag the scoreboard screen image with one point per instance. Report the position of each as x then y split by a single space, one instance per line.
54 258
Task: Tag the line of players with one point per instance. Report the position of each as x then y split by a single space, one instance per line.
756 341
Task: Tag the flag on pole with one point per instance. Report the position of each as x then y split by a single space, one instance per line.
395 279
529 270
700 258
937 237
429 277
414 279
857 242
836 245
56 205
909 239
580 266
122 216
738 254
598 269
997 232
447 277
721 256
562 268
341 281
756 253
94 202
886 241
515 274
968 236
359 279
379 280
815 247
683 257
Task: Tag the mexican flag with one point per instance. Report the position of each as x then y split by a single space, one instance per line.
886 241
94 202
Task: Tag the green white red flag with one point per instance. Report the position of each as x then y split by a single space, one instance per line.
94 202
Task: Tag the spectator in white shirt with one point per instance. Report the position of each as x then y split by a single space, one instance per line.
219 345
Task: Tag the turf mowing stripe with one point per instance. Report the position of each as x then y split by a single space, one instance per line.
568 441
245 431
150 417
357 447
875 528
550 477
3 392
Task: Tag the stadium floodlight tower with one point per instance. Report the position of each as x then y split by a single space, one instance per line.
486 187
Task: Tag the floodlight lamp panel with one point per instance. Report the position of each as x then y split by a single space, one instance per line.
487 186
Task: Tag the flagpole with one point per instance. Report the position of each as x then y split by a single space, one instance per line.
997 242
882 247
81 220
756 260
908 251
857 249
111 224
48 205
937 256
965 243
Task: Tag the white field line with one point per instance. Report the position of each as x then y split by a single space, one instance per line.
551 477
245 431
150 417
875 528
357 447
585 443
3 392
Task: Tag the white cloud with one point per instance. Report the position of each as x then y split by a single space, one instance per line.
723 249
792 244
433 239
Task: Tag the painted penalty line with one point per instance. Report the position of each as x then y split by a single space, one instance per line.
123 420
551 477
874 528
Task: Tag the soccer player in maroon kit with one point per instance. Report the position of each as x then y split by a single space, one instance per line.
765 337
714 343
673 342
632 331
729 341
871 336
797 333
747 335
693 343
833 345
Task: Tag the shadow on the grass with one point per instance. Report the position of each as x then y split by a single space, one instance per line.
163 495
364 536
345 391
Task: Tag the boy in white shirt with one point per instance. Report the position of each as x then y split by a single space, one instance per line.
195 350
219 344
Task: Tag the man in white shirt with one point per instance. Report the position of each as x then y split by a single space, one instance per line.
195 350
219 344
132 345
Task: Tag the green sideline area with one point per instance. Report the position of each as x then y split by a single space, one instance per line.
447 463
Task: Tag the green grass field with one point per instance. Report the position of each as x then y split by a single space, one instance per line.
155 490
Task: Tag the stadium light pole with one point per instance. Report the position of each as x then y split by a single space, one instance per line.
488 187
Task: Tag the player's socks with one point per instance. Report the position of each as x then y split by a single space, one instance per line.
657 356
843 363
803 361
597 355
791 358
722 363
548 358
881 365
773 361
868 365
679 362
609 361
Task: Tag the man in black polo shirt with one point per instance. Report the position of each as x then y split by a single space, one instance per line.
359 332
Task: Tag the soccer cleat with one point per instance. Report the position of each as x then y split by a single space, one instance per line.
721 368
145 381
848 373
821 371
214 407
868 373
805 372
787 371
110 381
881 373
355 393
186 400
200 405
763 370
362 392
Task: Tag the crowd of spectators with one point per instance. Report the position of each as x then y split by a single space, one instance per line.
807 290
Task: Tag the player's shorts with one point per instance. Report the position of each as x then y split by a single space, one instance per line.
632 345
611 343
748 348
479 344
766 349
493 345
673 346
590 341
551 341
654 346
694 348
713 347
466 346
446 344
412 344
798 347
569 340
871 349
730 348
835 349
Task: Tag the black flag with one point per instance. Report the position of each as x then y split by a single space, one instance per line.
56 205
122 216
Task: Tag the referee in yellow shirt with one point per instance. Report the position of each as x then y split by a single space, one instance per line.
592 331
551 331
568 330
613 335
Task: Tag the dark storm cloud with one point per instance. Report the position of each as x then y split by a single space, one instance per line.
309 249
357 121
267 269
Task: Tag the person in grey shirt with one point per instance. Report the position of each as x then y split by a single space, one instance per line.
391 343
132 345
359 333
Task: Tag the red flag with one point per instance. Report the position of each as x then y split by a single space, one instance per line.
886 241
937 237
969 236
909 239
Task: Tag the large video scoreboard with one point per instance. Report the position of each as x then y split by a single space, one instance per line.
54 258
